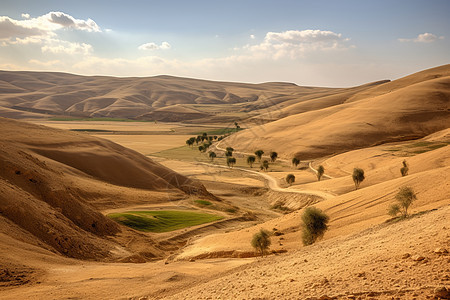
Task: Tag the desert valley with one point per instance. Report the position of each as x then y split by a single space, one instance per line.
109 188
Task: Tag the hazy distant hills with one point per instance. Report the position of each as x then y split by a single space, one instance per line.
164 98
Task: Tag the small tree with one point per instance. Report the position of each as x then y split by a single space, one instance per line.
212 155
231 161
265 165
290 179
250 160
198 139
358 177
273 156
189 142
405 197
201 148
228 153
295 162
230 149
261 241
320 171
259 154
314 225
404 170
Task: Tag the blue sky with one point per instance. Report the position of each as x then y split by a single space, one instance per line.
319 43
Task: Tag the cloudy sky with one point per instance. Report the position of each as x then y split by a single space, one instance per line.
318 43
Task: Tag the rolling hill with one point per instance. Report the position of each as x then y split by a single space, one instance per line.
408 108
54 183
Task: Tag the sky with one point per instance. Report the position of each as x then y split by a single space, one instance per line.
311 43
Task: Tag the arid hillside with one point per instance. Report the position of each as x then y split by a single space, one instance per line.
408 108
53 183
162 98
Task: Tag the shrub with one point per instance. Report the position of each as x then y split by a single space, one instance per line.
404 170
231 161
259 154
261 241
250 160
358 177
320 171
212 155
295 161
265 165
273 156
314 225
290 178
405 197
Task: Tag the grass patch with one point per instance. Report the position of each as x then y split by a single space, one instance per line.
203 202
221 131
97 119
162 220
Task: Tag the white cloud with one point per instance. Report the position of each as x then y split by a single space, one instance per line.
26 16
294 43
423 38
153 46
57 46
44 25
252 36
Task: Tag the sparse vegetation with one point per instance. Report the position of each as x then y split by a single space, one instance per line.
405 169
358 177
250 160
265 165
314 225
212 155
261 241
259 154
231 161
405 197
290 179
320 172
273 156
295 162
203 202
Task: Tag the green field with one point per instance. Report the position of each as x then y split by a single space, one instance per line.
162 220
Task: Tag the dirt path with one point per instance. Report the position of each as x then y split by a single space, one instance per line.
272 182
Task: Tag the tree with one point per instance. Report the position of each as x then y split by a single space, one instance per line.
259 154
405 197
198 139
228 153
295 161
265 165
320 171
201 148
261 241
290 178
273 156
189 142
231 161
404 170
212 155
314 225
250 160
358 177
230 149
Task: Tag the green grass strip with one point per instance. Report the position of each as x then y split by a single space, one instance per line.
162 220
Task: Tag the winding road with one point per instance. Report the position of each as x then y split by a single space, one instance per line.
272 182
